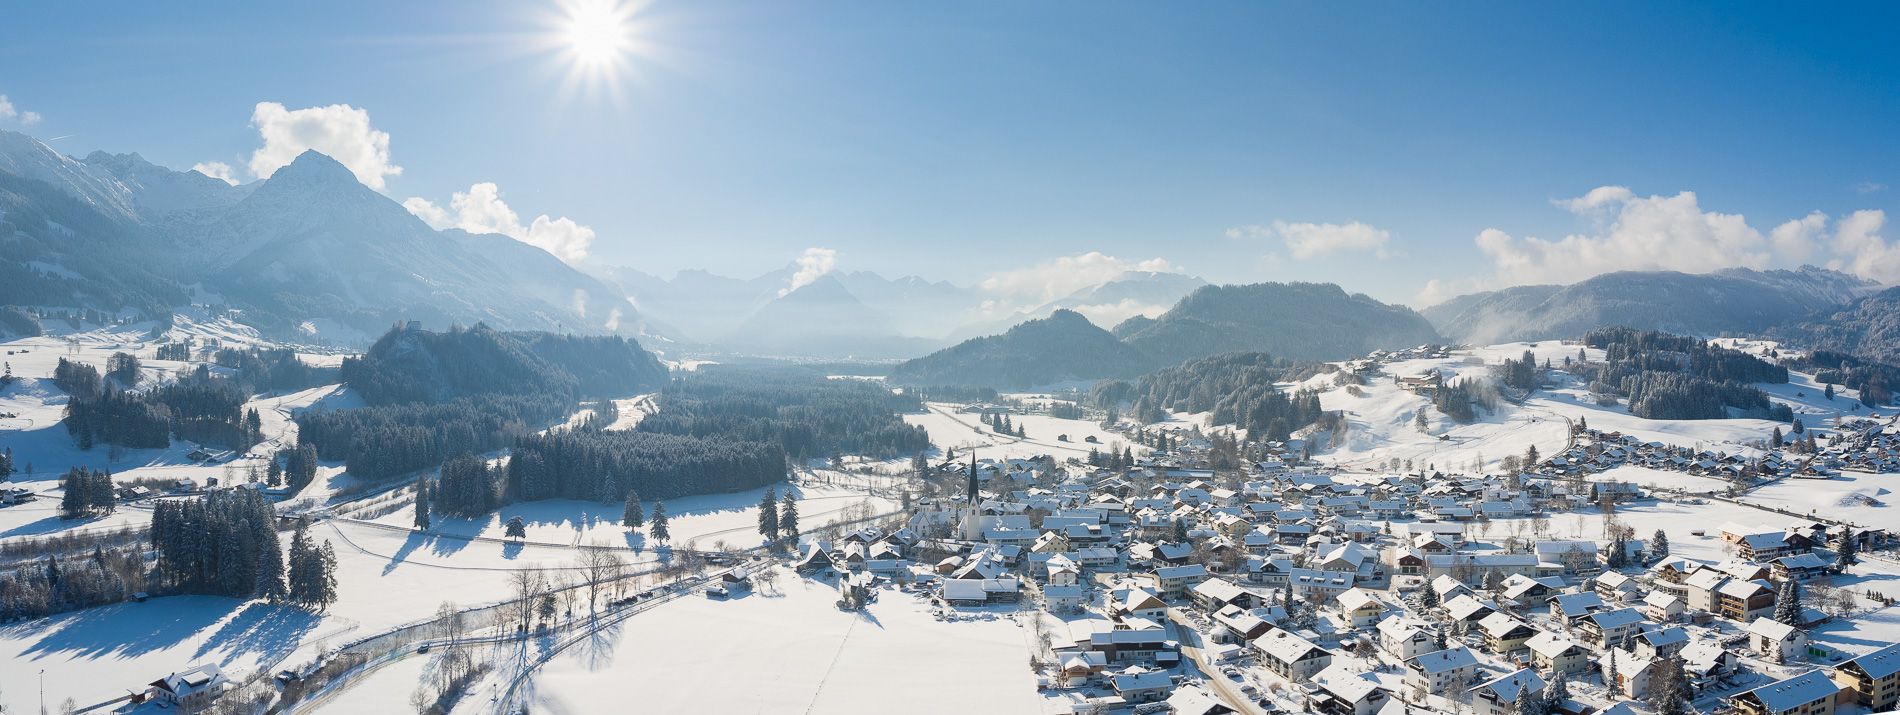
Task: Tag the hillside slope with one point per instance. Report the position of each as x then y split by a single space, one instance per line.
1297 321
1064 346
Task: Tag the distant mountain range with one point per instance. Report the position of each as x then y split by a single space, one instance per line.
309 253
1060 348
1732 301
1299 321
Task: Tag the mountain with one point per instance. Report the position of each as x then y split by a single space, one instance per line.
1062 347
1736 300
822 319
1129 295
1869 327
1297 321
308 253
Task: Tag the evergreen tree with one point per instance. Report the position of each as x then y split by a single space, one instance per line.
312 581
422 504
659 531
1788 603
1428 597
1658 546
1438 638
1797 426
1774 439
1559 688
1531 458
1671 705
1829 392
516 529
633 516
1530 701
1847 554
1180 534
768 514
788 517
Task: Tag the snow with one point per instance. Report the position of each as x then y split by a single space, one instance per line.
384 690
1857 497
951 429
794 653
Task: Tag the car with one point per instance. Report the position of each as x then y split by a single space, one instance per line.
424 648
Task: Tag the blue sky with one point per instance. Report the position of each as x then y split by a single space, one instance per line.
973 141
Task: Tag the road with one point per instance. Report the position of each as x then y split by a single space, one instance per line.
1223 686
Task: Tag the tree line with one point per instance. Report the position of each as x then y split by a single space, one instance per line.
1674 377
383 441
417 366
1239 389
225 543
806 415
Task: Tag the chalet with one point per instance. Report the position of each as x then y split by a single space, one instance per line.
1744 601
1338 691
1775 640
1809 693
1504 633
1573 606
1468 608
1557 653
1077 669
1873 678
1142 687
1292 658
1800 567
1444 672
1608 628
189 690
1360 608
1239 625
1174 581
1215 594
1661 642
1194 700
1616 587
1661 607
1499 696
1140 603
1405 638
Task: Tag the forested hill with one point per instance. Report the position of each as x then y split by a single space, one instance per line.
1064 346
1736 300
1671 377
1868 328
1296 321
407 366
804 413
1236 388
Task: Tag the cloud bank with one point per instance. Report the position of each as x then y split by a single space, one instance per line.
8 111
481 210
1308 240
813 264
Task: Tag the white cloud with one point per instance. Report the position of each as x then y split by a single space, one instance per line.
29 118
217 170
1047 281
1648 233
340 131
1636 233
1108 315
1868 187
813 264
1862 251
1306 240
9 111
481 210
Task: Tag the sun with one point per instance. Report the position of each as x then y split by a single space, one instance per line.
598 33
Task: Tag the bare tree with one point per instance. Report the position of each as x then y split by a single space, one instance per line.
599 565
525 584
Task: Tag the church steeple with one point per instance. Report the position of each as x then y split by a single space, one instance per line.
972 496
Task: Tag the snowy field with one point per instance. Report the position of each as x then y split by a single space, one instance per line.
950 429
1664 478
1858 497
793 653
705 518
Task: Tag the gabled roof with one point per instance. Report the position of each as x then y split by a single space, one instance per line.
1508 686
1880 663
1344 684
1771 629
1443 661
1794 692
1615 619
1550 645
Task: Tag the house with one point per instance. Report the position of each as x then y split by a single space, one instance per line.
1468 608
1360 608
1142 687
1215 594
1060 570
1874 679
1776 641
1068 598
1140 603
1194 700
1338 691
1445 672
1556 653
1800 567
1609 628
1662 607
1291 657
1744 601
1618 587
1573 606
1077 668
980 591
1524 589
1405 638
1174 581
1133 646
1633 672
187 690
1504 633
1661 642
1499 696
1809 693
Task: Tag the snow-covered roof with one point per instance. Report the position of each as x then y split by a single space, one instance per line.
1443 661
1881 663
1795 692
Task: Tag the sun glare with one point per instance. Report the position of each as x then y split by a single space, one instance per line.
597 33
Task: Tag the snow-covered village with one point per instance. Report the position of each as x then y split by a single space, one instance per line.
558 357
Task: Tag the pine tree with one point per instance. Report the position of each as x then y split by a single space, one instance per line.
1530 701
632 517
1420 422
1847 554
305 563
659 530
1797 426
1559 688
515 529
788 517
1788 603
422 505
1658 546
1671 705
1774 439
768 514
1829 392
1531 458
1428 597
1180 531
